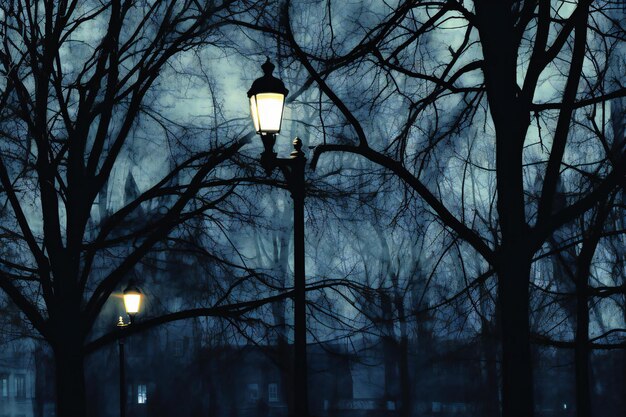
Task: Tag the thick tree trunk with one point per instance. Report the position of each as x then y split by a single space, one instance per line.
390 361
492 401
581 352
517 381
582 349
41 367
488 338
623 397
405 383
511 118
70 379
513 267
285 358
624 369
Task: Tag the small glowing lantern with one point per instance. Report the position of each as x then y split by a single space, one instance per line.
132 300
267 101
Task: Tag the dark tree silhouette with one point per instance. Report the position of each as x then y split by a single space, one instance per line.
484 111
79 83
499 58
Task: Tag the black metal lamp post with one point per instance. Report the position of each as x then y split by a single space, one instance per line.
267 101
132 302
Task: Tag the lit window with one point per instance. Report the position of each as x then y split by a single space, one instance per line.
20 386
142 394
253 392
4 386
272 392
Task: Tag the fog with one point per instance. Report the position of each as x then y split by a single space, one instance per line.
463 209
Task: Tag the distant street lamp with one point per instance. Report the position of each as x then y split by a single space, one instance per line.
132 303
267 102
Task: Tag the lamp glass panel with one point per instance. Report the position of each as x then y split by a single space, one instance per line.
254 113
270 111
131 303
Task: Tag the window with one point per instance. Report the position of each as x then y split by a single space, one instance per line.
142 394
4 386
272 392
253 392
20 386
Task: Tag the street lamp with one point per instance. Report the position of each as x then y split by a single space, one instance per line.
132 303
267 99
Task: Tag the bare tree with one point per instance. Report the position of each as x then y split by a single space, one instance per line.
80 82
429 73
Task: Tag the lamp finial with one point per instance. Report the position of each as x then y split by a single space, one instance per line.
268 67
297 149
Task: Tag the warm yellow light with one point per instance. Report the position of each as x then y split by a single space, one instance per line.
254 113
132 301
267 111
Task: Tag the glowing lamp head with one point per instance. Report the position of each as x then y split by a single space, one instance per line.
267 101
132 300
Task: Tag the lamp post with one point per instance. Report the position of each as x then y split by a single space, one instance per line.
267 101
132 302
